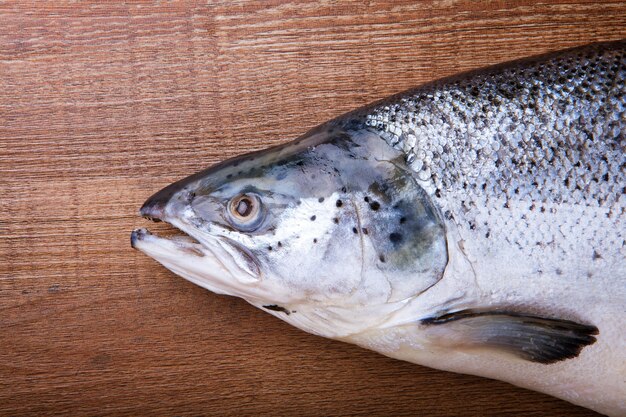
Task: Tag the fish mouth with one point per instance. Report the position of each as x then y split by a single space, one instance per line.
154 210
214 262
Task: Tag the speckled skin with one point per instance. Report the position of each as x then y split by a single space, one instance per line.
528 155
500 190
526 161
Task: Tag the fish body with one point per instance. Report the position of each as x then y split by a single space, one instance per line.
474 224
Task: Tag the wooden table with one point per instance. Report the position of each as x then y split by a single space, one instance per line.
103 103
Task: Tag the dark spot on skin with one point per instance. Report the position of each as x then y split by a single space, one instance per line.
300 163
438 193
336 220
506 205
274 307
313 217
344 189
366 199
559 272
229 176
365 231
269 248
487 234
354 230
382 258
472 225
374 205
315 240
395 237
321 199
596 255
543 209
402 220
339 203
280 245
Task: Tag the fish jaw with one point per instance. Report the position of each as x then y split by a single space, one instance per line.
214 263
172 254
189 259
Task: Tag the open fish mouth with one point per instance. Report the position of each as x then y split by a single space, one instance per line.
183 241
216 263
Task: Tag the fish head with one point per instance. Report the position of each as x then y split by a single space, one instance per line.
320 232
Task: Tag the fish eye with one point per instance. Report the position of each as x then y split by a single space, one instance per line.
245 211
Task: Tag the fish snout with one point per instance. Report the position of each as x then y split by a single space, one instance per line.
153 209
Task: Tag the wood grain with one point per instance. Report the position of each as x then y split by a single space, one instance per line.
103 103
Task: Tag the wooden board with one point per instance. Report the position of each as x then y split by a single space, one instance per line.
103 103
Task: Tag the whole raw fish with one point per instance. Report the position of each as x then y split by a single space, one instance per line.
473 224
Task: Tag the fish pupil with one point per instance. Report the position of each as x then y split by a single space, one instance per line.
244 207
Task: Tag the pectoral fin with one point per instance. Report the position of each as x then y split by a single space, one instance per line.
533 338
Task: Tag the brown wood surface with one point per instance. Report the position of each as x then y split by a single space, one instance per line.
103 103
